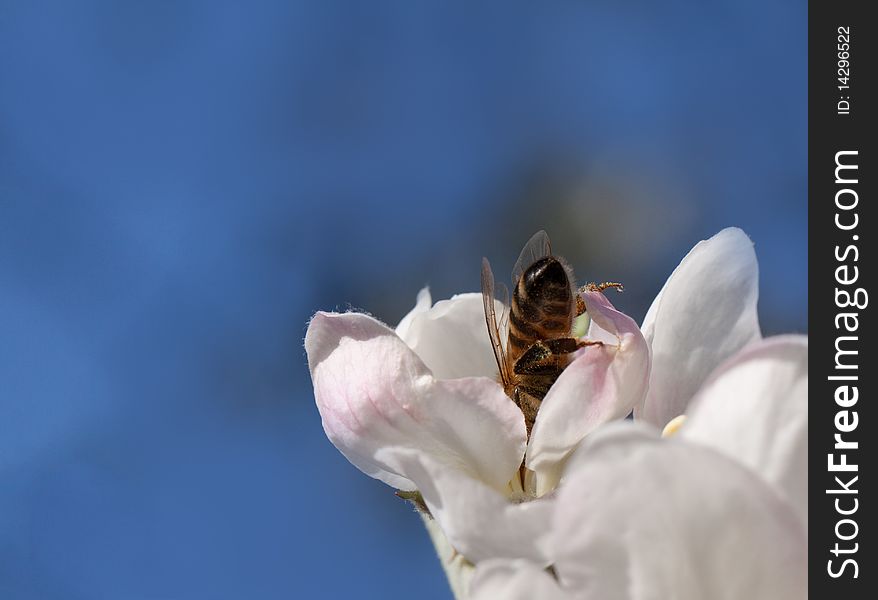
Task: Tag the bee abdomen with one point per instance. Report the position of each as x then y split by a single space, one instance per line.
541 305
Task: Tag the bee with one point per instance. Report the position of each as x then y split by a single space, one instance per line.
538 322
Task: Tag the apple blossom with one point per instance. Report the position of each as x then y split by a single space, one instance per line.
630 515
419 408
725 514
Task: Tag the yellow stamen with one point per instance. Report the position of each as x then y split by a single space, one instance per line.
673 426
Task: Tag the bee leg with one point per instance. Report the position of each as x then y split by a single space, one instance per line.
569 344
539 359
594 287
586 343
566 345
535 360
600 287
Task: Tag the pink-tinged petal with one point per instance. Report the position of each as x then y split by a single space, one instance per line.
704 314
603 383
514 580
641 518
479 522
451 337
755 409
374 393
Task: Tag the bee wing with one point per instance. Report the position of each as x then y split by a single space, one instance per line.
488 299
536 248
502 294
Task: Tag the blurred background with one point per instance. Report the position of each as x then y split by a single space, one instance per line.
182 184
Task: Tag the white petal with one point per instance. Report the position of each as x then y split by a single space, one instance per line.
514 580
704 314
422 304
641 518
374 393
452 337
478 521
755 409
603 383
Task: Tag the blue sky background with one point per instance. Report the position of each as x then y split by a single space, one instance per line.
182 184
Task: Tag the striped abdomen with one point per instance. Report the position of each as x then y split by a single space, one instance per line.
542 307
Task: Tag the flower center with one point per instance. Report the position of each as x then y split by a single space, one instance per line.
523 486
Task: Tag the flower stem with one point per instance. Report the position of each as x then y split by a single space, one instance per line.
457 568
